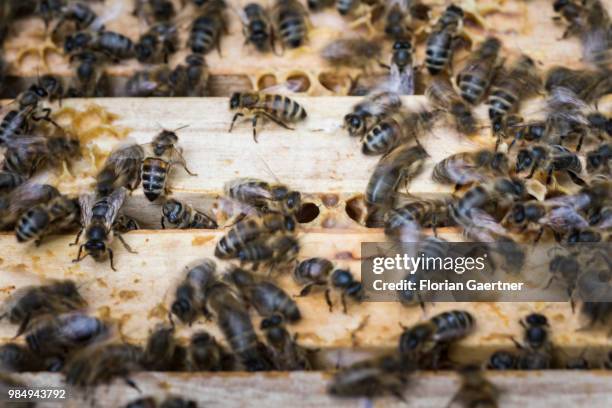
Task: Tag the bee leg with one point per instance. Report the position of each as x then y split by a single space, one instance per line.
162 223
549 174
343 300
277 121
236 116
576 179
254 122
183 163
550 281
23 326
112 259
537 238
132 384
125 244
328 300
305 290
78 258
580 141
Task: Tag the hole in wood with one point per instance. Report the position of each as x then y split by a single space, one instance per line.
308 213
334 82
266 81
356 209
300 80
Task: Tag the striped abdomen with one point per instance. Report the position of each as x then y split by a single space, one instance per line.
452 325
382 137
438 52
205 33
382 184
474 82
502 100
283 108
242 233
12 126
154 173
291 27
249 191
32 224
565 159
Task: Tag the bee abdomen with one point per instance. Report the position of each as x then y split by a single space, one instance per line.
154 173
292 28
438 51
501 102
204 35
201 221
382 138
31 224
452 325
472 87
255 252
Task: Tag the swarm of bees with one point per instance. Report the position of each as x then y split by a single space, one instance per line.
565 149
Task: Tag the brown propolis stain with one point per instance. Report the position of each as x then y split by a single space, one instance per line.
127 294
158 312
201 240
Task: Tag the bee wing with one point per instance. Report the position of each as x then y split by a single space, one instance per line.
115 201
86 202
563 218
596 47
123 154
485 221
564 104
401 82
575 201
290 86
254 189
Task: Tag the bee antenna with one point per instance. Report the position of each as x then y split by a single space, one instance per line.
180 128
268 169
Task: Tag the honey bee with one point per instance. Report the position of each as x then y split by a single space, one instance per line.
101 363
190 79
277 108
157 44
440 47
402 164
475 390
114 45
312 272
549 158
57 334
565 268
535 352
471 167
502 360
509 88
287 354
125 224
9 181
250 229
428 342
256 27
121 169
235 323
475 78
207 29
352 52
154 10
588 85
77 12
204 353
400 127
400 16
385 375
162 352
18 359
27 155
153 82
367 113
90 79
183 216
267 298
14 124
53 86
21 199
31 302
315 272
401 69
59 214
403 223
599 160
155 168
274 252
97 220
190 294
263 196
290 21
442 96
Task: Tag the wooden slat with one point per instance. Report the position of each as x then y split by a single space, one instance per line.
516 26
551 388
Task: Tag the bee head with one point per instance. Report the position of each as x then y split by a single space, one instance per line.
341 278
412 338
518 214
171 210
235 101
293 201
524 160
354 123
534 212
502 360
95 248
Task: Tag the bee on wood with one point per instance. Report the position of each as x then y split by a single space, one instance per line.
428 342
251 229
536 350
442 96
352 52
475 78
367 113
257 27
154 10
31 302
58 334
565 268
235 323
442 40
279 109
385 375
599 160
10 181
101 363
287 354
465 168
274 252
156 167
183 216
318 5
60 214
267 298
21 199
157 44
189 297
204 353
121 169
401 165
312 272
153 82
207 29
263 196
125 224
588 85
290 20
400 127
509 88
403 223
77 12
475 390
162 352
115 46
191 78
549 158
97 220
